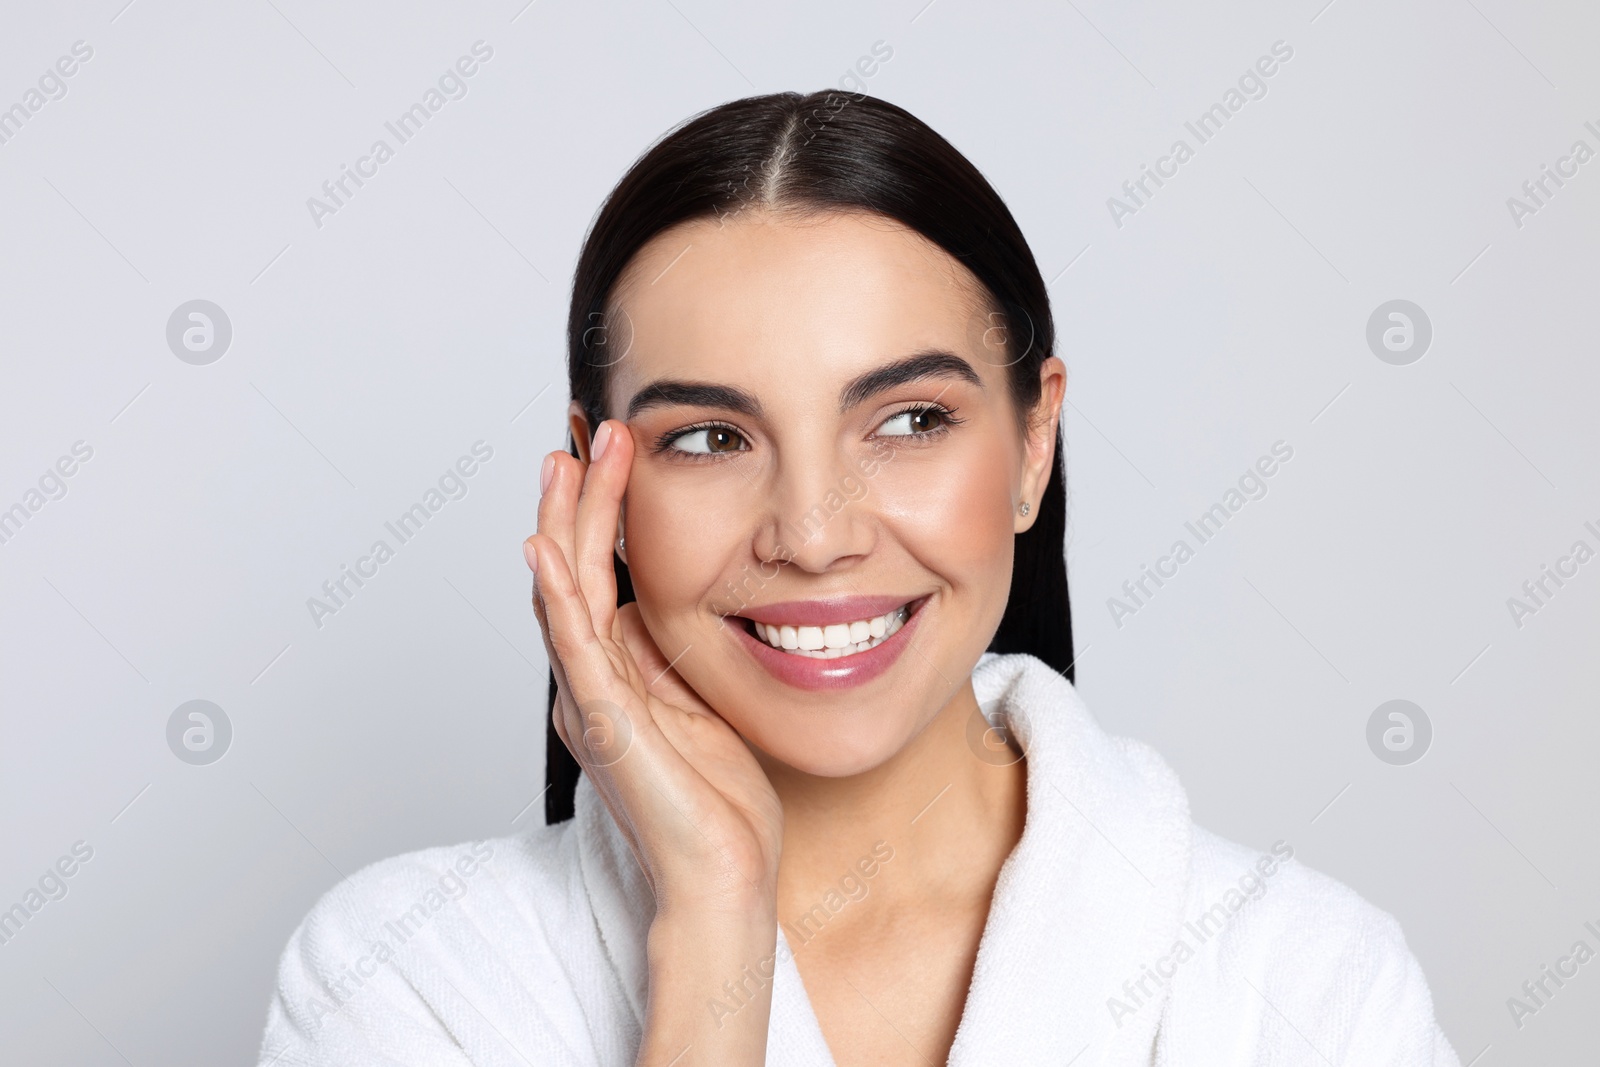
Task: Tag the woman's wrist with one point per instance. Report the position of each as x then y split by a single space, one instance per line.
710 985
709 944
705 926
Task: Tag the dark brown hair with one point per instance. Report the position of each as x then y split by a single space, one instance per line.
820 152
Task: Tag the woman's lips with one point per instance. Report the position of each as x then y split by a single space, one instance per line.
842 672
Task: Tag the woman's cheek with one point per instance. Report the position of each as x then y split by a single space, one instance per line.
952 511
671 535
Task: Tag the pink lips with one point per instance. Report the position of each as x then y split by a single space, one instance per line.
843 672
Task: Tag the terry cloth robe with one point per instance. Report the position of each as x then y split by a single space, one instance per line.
1119 934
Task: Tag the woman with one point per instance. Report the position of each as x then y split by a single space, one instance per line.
802 590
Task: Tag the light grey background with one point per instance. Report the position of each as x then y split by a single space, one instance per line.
369 353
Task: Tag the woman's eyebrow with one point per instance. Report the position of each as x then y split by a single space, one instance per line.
671 391
930 364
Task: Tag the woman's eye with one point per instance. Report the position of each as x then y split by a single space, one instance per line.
708 440
913 422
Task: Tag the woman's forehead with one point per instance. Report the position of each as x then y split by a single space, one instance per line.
767 297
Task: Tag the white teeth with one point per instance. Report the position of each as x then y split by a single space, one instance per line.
835 640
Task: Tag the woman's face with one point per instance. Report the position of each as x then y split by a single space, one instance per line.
791 469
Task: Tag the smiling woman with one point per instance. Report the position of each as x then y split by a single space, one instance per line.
801 583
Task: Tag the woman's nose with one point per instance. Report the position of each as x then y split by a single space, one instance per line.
817 517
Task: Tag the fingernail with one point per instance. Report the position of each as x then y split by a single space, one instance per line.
602 437
545 472
531 556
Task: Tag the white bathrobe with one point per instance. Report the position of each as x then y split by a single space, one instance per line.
1120 933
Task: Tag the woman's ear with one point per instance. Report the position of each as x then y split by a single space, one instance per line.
578 423
1041 438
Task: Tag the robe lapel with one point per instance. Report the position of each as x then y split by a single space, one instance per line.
1092 894
618 893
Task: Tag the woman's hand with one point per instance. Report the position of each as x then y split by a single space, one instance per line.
686 792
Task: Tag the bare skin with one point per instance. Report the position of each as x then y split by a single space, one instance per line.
749 801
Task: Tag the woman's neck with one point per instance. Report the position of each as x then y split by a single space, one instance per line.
944 810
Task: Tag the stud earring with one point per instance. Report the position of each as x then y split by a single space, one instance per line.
1023 508
622 542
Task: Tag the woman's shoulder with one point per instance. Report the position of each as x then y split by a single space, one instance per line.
413 952
1275 894
1324 971
489 880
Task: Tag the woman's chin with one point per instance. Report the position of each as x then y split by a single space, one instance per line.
835 756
